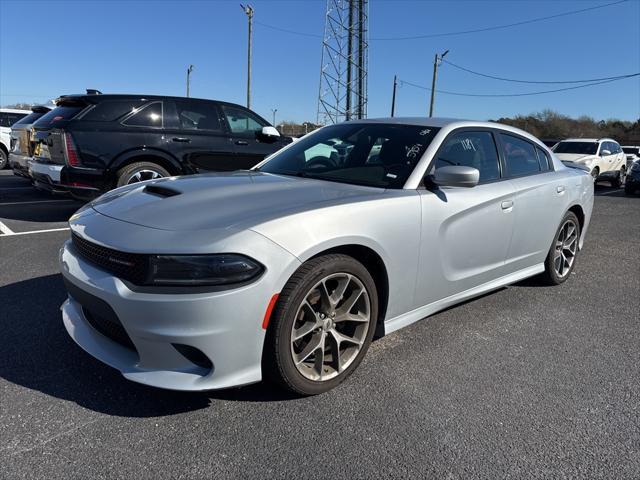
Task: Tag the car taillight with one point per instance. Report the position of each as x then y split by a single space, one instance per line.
70 151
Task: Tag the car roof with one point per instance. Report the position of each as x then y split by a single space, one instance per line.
96 98
594 140
13 110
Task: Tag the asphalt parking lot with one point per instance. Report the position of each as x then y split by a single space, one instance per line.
529 381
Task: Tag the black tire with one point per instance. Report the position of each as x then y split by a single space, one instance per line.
618 180
126 174
550 276
595 173
3 159
278 363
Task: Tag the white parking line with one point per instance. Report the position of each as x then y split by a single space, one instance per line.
36 201
13 234
5 230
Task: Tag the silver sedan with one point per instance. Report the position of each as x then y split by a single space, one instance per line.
288 270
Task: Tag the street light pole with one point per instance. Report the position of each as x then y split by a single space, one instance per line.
189 70
436 63
393 97
248 10
274 110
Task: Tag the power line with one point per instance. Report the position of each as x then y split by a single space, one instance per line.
459 32
462 94
531 81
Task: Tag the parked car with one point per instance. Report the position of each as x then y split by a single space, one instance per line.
288 269
21 148
603 157
99 142
632 153
632 185
8 116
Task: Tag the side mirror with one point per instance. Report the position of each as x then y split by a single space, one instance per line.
604 153
270 132
456 176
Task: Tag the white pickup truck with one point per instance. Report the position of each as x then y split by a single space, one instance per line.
8 116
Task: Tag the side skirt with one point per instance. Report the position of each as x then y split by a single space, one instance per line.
413 316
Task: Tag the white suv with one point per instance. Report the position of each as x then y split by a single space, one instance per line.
603 157
8 116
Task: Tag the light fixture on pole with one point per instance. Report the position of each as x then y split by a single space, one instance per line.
248 10
189 70
436 63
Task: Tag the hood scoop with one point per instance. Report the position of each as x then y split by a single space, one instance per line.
161 190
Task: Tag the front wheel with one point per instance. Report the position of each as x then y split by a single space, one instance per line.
3 159
562 254
322 325
595 173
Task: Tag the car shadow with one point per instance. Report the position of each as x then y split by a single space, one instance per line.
37 353
602 190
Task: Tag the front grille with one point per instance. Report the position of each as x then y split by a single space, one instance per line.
110 328
133 267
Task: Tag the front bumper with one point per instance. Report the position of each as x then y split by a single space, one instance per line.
226 326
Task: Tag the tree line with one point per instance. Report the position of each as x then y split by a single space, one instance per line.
550 125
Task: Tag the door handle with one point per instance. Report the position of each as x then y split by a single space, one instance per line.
242 142
560 189
181 139
507 205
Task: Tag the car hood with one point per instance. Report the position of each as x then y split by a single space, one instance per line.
224 200
574 157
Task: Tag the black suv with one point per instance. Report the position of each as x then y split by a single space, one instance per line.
92 143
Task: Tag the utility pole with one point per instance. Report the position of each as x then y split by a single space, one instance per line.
248 10
189 70
274 110
393 97
436 63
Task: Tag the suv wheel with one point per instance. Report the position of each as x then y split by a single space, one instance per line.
139 172
322 325
595 173
3 159
618 180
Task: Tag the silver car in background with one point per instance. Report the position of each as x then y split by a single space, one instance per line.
21 149
288 270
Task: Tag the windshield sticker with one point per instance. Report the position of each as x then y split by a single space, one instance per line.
392 175
424 132
413 151
467 144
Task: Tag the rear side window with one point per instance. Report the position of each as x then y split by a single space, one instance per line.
519 155
148 116
242 122
543 159
56 115
198 116
471 149
9 118
110 110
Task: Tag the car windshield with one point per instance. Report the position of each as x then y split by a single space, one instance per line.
631 150
583 148
373 154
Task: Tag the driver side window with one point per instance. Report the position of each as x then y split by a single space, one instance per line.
471 149
242 122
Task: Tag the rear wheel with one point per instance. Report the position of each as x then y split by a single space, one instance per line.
562 254
322 325
3 159
139 172
619 179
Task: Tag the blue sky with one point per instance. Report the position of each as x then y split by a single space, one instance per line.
48 48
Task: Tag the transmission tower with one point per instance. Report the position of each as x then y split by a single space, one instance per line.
343 69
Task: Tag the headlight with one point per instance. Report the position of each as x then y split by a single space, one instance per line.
192 270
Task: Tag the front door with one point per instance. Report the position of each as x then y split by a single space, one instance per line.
466 232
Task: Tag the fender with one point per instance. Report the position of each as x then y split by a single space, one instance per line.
126 156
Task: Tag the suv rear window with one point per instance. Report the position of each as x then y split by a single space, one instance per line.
109 110
56 115
29 119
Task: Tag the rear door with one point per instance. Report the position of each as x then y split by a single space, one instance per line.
465 231
198 137
245 128
540 196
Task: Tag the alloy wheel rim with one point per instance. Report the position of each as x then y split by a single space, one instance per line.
143 175
330 327
565 248
623 176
